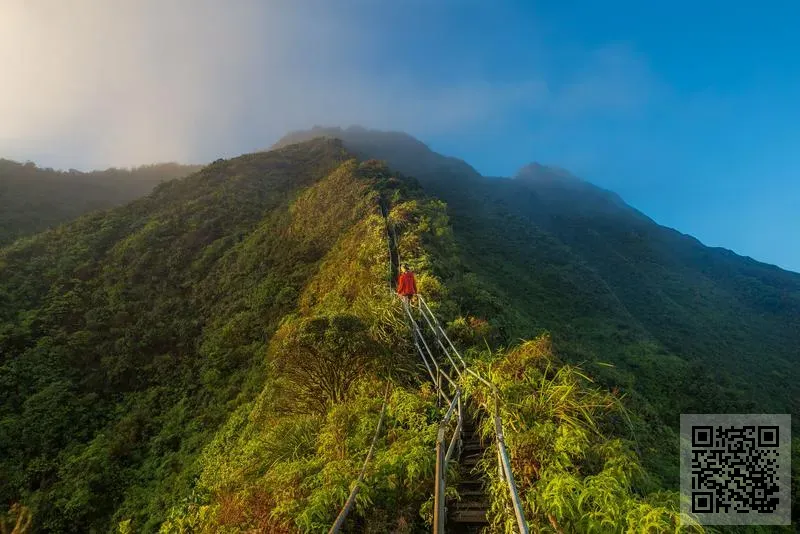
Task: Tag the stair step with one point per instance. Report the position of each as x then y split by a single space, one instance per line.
471 484
469 516
469 504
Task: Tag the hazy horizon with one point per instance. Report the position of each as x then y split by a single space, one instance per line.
696 132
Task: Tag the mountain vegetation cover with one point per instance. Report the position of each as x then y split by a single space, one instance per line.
214 356
33 199
688 328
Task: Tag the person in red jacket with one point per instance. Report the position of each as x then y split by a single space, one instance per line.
406 284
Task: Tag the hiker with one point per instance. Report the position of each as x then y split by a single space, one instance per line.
406 284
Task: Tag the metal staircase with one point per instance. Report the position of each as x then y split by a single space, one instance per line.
458 439
468 515
463 515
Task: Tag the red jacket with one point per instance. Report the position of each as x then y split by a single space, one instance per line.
406 284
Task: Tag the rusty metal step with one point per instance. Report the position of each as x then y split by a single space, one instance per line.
471 504
470 493
469 516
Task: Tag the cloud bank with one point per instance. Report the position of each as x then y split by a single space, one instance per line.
93 83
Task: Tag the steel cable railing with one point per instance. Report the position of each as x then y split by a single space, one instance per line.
439 339
417 332
443 458
443 455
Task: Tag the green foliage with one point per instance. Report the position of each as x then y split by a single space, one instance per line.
573 475
689 329
286 462
322 358
33 199
127 338
212 357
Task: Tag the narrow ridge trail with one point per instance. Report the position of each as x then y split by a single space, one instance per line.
468 515
458 438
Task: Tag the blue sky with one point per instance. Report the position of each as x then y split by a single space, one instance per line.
710 143
688 110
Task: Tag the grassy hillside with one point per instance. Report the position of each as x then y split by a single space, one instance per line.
688 328
33 199
127 337
284 462
214 358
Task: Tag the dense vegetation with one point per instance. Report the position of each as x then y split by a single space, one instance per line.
127 337
33 199
687 327
574 474
214 357
286 460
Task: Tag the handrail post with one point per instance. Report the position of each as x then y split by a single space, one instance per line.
439 391
438 499
499 459
460 425
505 466
503 460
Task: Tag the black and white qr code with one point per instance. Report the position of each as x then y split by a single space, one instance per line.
735 468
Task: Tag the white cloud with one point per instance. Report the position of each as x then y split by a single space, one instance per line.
90 83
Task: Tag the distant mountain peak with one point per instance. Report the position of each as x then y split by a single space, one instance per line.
543 174
400 150
353 132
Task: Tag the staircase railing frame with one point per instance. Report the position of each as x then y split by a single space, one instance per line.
351 499
442 456
503 460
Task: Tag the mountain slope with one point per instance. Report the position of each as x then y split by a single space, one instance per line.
127 337
214 358
33 199
688 327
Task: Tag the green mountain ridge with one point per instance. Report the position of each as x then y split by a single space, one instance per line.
212 357
127 336
704 305
33 199
689 329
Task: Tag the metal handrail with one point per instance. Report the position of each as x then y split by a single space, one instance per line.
441 330
504 461
351 499
457 431
508 475
443 457
425 360
438 337
455 405
418 334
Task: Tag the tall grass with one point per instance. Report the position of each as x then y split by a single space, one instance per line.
572 473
